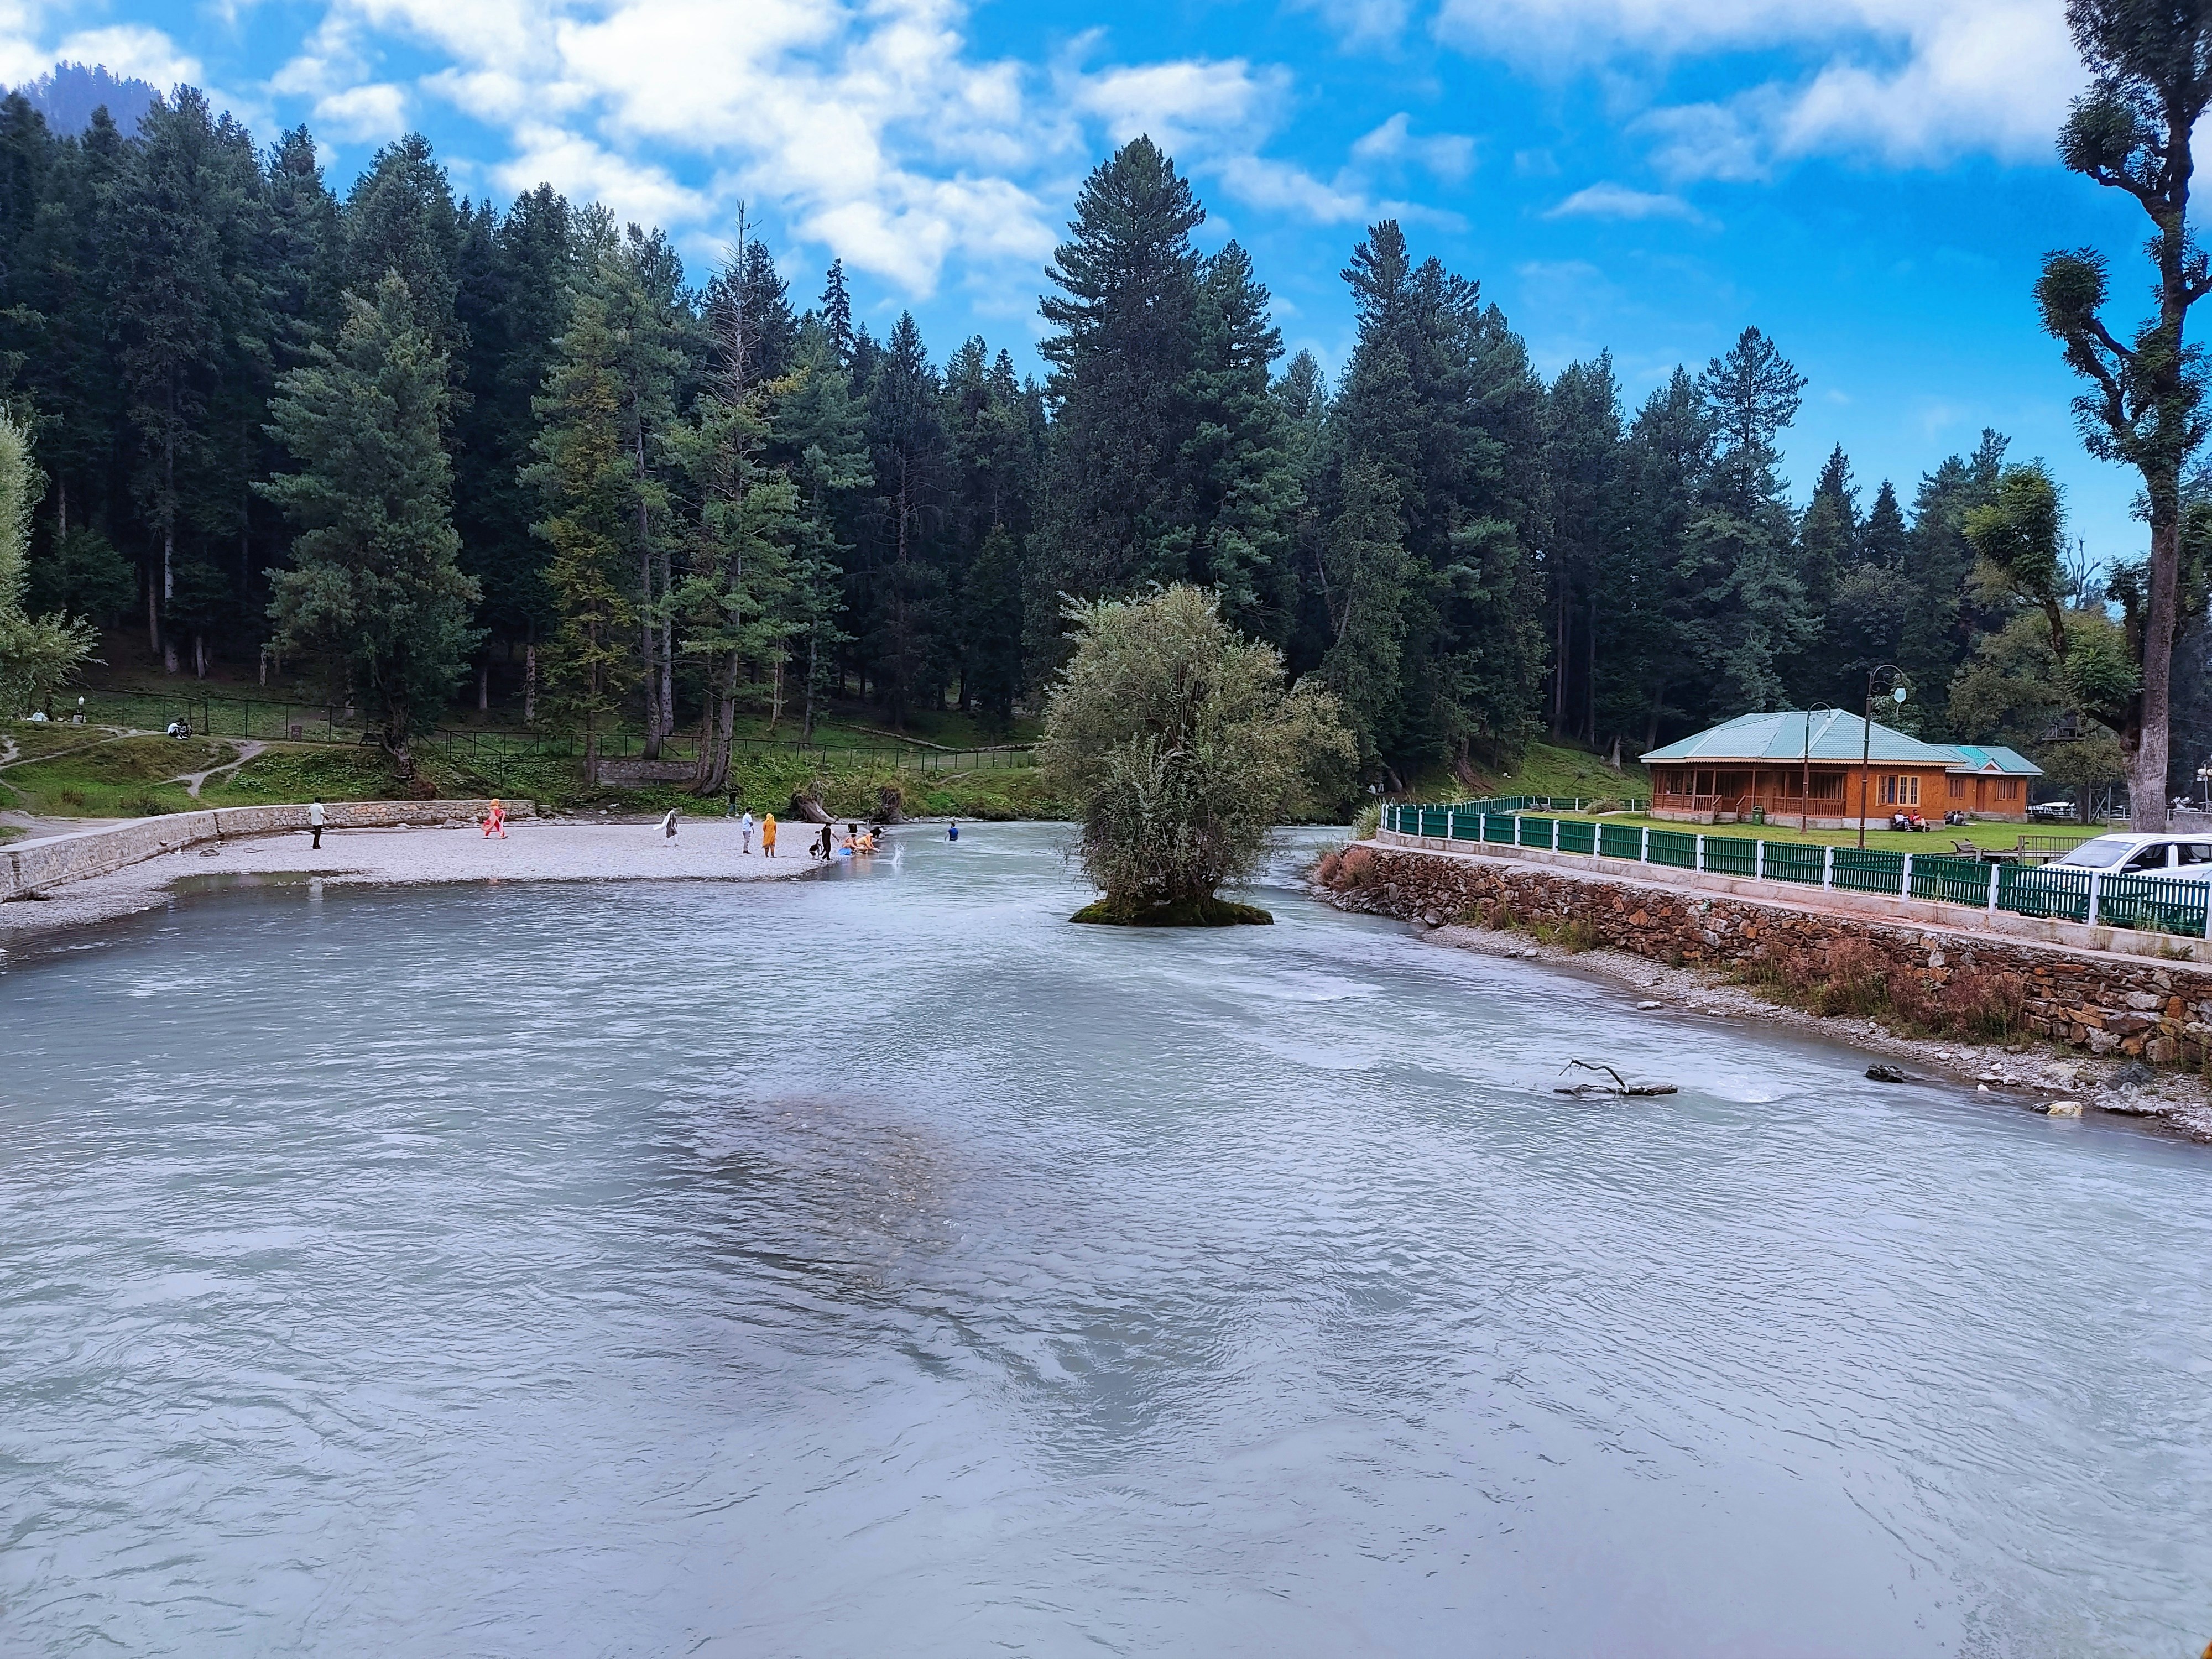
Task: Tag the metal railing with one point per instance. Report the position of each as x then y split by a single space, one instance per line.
2144 903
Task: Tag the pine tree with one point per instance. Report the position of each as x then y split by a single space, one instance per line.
1124 321
585 477
1366 576
735 597
1742 542
818 433
903 574
837 313
1245 493
183 224
1582 466
400 215
374 586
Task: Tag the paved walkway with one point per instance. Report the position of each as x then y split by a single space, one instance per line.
535 850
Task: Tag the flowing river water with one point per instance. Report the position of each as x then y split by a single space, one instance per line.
878 1264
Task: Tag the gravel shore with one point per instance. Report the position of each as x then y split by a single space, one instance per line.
535 850
2030 1075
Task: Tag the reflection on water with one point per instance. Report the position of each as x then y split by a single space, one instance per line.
880 1264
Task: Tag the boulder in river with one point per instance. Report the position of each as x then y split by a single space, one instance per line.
1887 1074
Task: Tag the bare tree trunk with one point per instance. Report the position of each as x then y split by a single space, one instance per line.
483 686
530 684
813 652
167 647
2151 748
152 617
775 695
651 637
1589 675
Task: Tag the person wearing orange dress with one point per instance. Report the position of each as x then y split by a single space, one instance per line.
768 834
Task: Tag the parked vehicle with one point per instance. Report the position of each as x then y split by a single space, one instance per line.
2052 811
2160 882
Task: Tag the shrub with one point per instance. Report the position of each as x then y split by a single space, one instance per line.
1855 979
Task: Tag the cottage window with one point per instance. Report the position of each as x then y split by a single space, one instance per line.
2008 788
1957 788
1900 789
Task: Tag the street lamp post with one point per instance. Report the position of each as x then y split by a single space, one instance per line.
1805 777
1866 731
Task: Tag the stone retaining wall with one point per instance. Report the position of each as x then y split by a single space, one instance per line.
36 866
2101 1000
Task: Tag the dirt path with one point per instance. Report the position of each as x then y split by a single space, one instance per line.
7 757
247 748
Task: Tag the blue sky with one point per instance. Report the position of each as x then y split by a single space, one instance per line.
1870 181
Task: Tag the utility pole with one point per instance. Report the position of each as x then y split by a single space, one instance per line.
1866 732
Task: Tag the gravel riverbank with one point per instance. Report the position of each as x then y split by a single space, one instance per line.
2030 1073
535 850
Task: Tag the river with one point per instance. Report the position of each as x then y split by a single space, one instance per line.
879 1265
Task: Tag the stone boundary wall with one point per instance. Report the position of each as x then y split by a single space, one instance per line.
2104 1001
1802 896
36 866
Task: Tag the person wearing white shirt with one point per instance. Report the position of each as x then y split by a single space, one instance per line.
315 822
745 828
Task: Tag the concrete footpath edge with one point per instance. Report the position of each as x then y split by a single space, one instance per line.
35 867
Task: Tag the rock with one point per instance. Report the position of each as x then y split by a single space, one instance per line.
1647 1006
1887 1074
1432 919
2061 1108
1989 1076
1981 1088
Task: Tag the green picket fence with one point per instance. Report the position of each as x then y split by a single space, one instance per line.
2154 904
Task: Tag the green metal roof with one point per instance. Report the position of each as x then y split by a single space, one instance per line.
1835 736
1993 757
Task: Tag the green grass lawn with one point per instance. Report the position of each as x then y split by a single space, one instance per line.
34 739
2000 837
119 778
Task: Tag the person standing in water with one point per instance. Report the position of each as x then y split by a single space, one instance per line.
825 845
745 829
315 822
768 834
952 830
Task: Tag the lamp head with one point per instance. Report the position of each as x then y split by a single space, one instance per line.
1898 695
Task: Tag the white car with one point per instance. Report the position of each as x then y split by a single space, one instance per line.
2185 858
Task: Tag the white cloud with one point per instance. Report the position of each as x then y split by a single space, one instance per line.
1361 22
132 49
1904 81
1448 155
1610 201
1281 187
373 111
1183 103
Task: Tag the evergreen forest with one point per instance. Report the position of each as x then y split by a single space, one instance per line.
422 450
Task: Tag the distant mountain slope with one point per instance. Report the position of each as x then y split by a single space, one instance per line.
67 95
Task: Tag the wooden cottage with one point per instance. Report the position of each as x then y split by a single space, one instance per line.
1799 766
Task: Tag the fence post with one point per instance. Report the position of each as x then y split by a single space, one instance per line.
1828 867
1758 859
1644 846
1698 861
1555 835
2096 891
1994 870
1904 885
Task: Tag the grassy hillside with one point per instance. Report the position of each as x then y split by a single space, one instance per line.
89 772
1544 769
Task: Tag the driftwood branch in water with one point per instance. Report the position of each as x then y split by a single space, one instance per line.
1621 1086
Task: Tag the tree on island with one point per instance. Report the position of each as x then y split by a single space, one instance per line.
37 654
2151 77
1179 745
375 585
